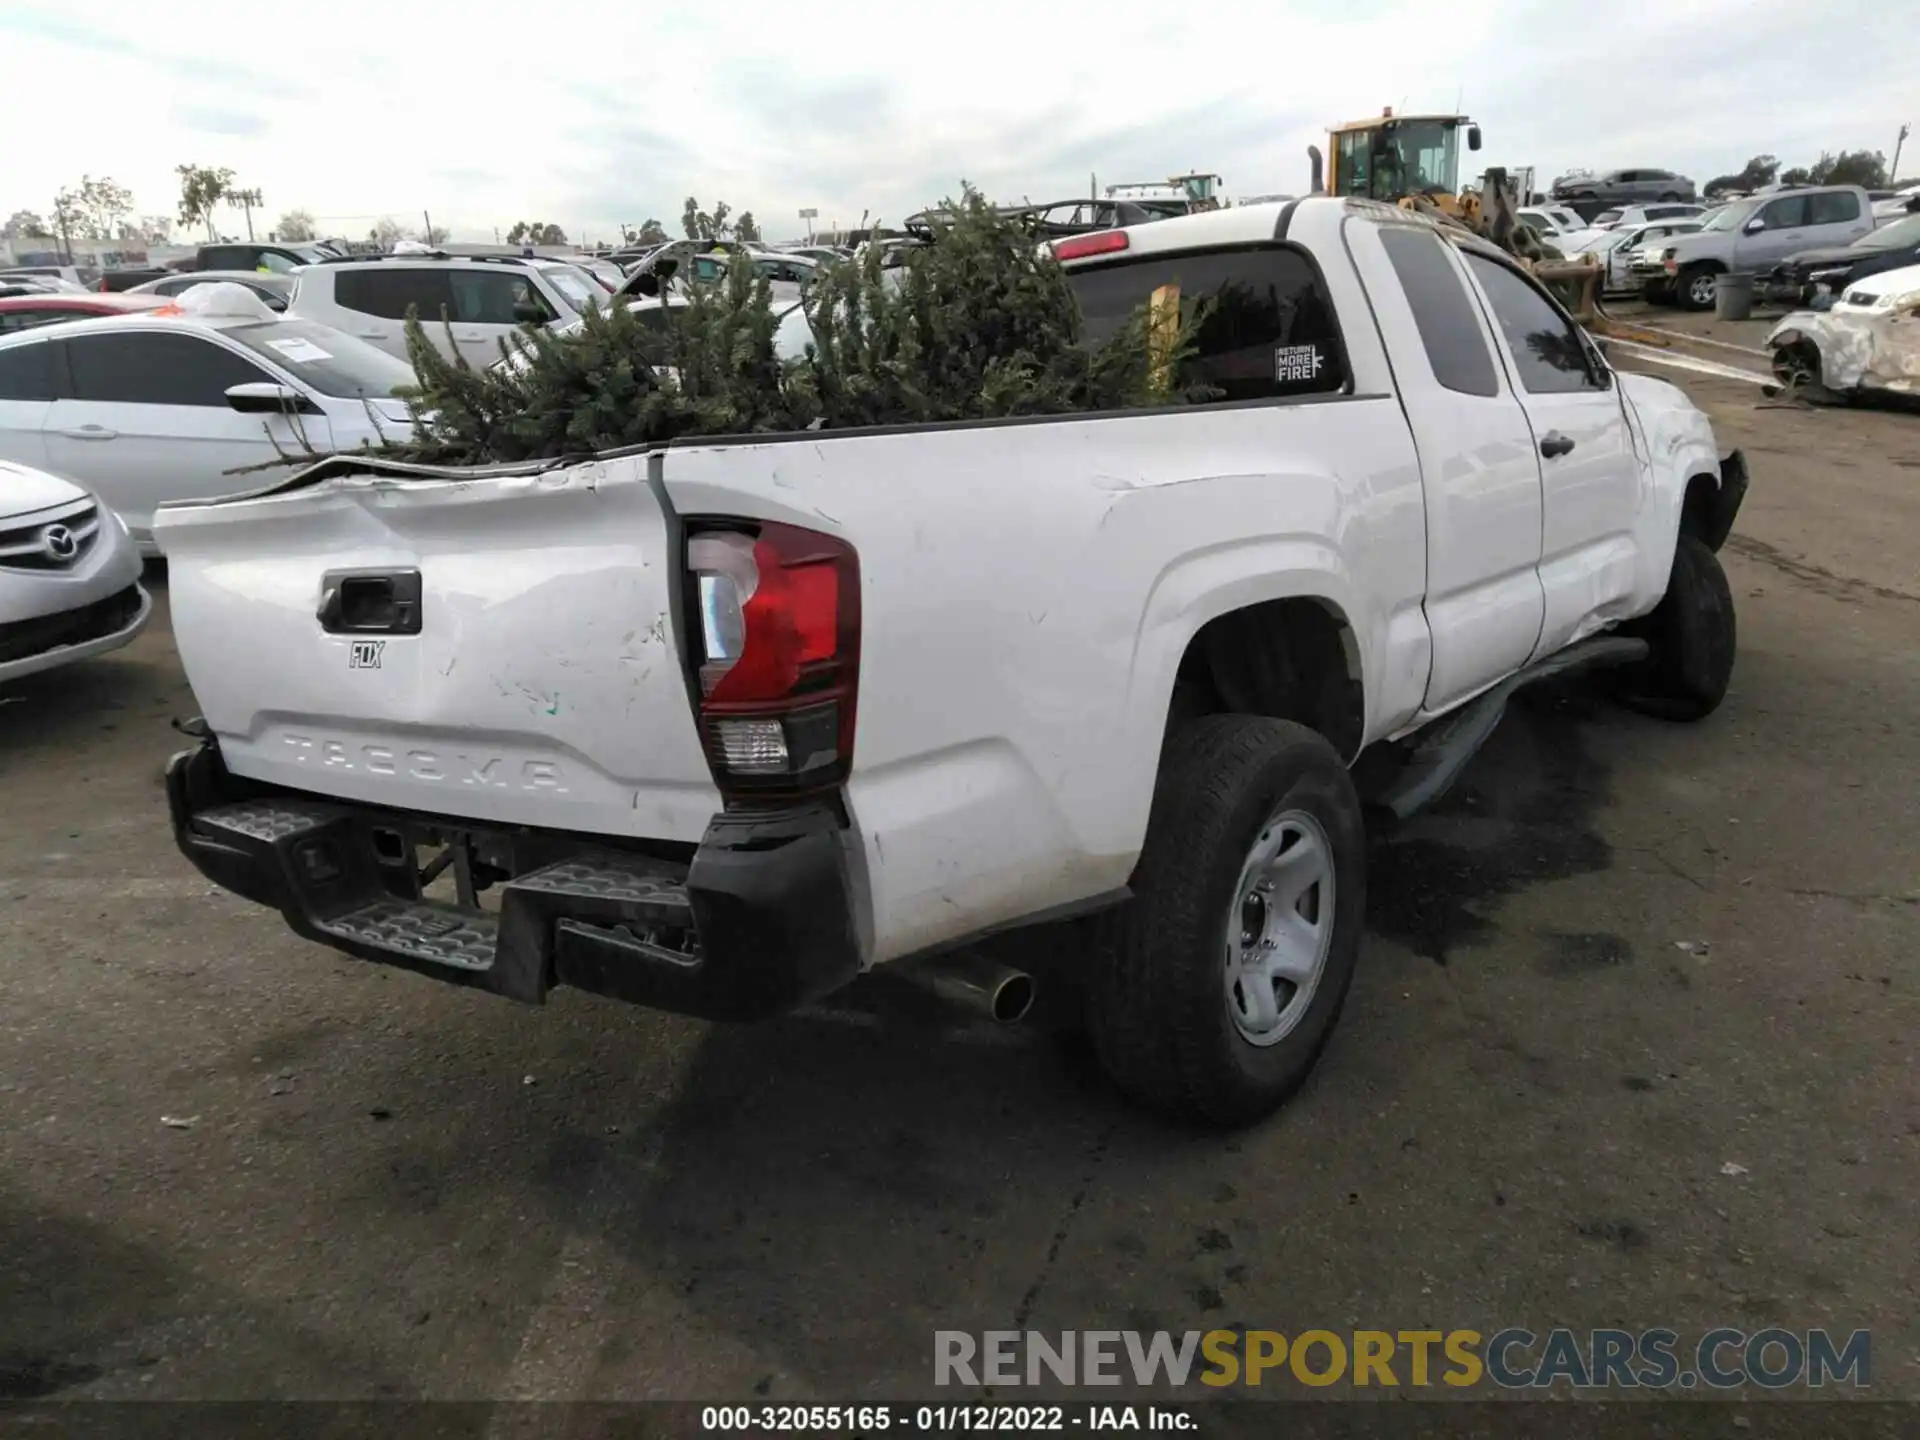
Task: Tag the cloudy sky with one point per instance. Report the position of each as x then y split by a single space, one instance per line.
597 113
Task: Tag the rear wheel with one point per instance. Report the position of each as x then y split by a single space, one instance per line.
1692 636
1670 197
1695 288
1211 993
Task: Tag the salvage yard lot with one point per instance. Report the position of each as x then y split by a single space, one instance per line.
1632 1044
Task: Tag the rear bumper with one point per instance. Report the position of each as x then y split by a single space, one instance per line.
760 921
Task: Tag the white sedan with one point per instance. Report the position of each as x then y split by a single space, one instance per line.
171 403
69 575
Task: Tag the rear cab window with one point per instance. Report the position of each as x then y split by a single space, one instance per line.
1267 329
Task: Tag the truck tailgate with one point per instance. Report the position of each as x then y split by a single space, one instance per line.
543 686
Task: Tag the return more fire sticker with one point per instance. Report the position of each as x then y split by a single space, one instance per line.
1296 363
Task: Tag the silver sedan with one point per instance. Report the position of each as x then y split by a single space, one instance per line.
69 575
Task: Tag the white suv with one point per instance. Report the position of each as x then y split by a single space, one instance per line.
484 299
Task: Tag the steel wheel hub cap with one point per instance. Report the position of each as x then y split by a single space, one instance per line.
1280 929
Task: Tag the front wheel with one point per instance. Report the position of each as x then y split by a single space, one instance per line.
1696 288
1212 992
1692 639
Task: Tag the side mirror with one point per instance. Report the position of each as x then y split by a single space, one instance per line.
528 313
264 397
1754 226
647 284
1473 137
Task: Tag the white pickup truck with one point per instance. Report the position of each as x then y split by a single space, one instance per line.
718 727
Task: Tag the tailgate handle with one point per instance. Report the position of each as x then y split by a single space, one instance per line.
370 602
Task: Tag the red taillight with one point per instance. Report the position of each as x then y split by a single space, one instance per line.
777 645
1101 242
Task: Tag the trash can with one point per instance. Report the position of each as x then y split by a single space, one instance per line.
1733 296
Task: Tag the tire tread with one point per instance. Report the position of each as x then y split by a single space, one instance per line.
1152 1028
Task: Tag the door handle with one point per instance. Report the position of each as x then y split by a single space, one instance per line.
371 334
1553 445
370 602
91 432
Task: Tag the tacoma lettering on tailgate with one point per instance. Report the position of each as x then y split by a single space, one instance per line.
497 772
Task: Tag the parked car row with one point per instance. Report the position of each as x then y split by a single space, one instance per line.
170 400
1752 235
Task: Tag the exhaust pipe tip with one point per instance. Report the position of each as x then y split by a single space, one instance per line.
1013 997
971 981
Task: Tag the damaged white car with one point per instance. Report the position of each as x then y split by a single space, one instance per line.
1866 346
69 575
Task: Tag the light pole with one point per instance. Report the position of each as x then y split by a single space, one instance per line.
808 215
1893 171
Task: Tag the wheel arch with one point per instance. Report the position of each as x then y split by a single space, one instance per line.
1291 657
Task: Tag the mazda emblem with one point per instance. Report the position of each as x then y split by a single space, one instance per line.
60 543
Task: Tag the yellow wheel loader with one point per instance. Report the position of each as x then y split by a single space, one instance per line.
1413 161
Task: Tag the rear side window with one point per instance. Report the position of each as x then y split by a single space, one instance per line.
1443 310
1268 332
490 297
26 372
155 368
389 292
1836 207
